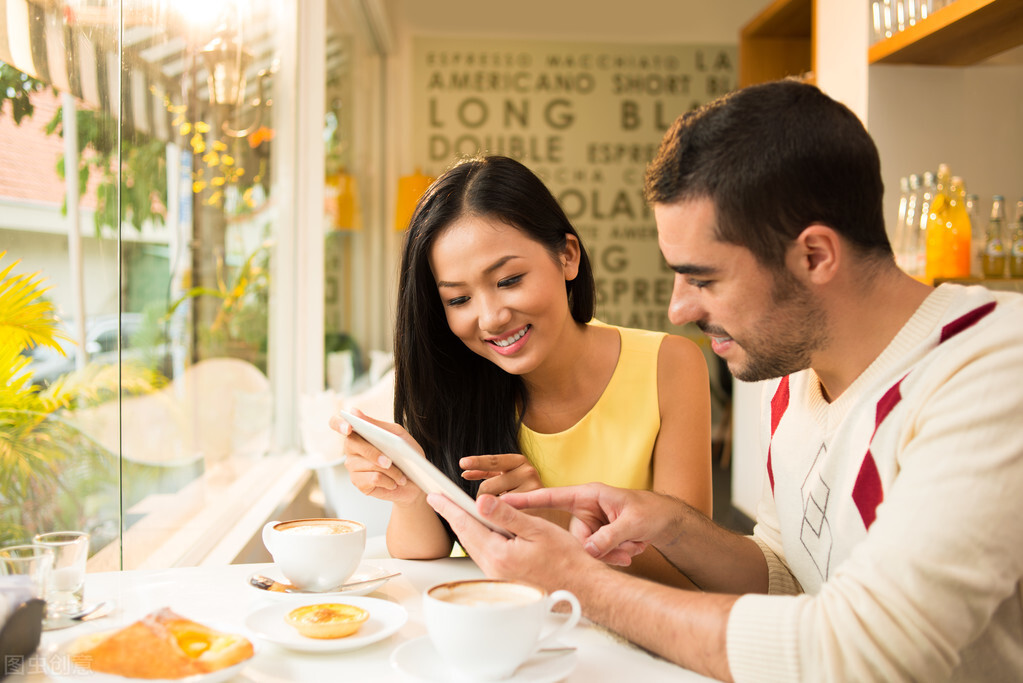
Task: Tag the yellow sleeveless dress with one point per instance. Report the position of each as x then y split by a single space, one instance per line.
614 442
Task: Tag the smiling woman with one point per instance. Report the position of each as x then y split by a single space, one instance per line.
495 315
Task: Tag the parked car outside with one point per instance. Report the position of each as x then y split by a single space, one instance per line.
101 345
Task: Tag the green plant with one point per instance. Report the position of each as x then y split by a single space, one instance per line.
17 88
30 458
51 474
143 192
240 324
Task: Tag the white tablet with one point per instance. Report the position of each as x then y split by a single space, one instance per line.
421 471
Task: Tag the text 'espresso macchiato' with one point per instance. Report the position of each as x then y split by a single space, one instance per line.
316 554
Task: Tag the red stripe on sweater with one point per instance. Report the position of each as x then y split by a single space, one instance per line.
966 321
867 493
887 404
779 403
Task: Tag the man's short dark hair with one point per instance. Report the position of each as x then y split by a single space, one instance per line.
775 158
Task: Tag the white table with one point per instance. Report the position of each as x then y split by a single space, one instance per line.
221 597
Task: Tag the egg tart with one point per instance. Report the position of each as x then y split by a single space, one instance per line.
327 620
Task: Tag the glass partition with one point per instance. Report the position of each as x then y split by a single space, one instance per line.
141 195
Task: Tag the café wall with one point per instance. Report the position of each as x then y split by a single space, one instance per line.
651 22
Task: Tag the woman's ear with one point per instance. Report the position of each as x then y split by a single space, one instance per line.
570 257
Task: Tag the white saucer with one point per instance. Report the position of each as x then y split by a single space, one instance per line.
418 660
365 572
385 618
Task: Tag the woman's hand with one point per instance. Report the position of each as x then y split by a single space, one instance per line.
371 471
501 473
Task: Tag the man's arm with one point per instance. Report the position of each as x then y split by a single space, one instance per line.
685 627
615 524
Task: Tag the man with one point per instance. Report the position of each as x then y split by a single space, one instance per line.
889 541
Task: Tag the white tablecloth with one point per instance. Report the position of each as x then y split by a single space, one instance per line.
221 597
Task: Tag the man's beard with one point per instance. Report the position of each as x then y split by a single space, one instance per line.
795 328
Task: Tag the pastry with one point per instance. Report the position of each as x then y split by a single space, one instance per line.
327 620
162 644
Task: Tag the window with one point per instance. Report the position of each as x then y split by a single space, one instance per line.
175 271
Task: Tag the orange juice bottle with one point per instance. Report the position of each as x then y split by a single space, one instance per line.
948 229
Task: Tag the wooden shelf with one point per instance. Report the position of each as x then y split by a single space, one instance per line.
1007 284
777 43
961 33
781 19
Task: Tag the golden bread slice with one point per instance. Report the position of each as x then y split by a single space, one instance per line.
327 620
162 644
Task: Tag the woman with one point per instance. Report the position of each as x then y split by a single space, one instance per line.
497 353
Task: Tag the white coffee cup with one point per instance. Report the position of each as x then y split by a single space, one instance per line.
485 629
316 554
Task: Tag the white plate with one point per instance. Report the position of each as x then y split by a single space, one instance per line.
418 660
365 572
385 618
58 665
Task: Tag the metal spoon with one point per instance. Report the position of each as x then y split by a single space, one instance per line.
268 584
100 609
97 611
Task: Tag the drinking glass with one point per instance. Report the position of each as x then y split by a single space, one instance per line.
66 585
32 561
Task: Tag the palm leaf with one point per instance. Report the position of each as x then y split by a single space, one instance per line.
26 318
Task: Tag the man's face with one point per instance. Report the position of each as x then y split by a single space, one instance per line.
763 323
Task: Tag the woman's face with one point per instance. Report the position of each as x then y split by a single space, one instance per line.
503 294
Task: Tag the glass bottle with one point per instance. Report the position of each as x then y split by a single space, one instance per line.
994 259
1016 250
887 19
899 238
911 237
976 236
877 30
919 245
962 228
948 229
912 11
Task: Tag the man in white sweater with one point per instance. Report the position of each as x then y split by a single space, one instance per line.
889 540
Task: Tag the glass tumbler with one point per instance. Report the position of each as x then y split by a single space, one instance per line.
34 562
65 588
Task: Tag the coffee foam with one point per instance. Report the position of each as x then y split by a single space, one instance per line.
317 527
482 593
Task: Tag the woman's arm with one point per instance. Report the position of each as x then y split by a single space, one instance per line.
682 452
415 532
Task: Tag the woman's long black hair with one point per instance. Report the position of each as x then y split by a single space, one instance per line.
451 400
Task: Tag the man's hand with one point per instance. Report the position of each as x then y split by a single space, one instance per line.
613 524
541 552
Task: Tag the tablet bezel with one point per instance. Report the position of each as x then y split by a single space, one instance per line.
421 471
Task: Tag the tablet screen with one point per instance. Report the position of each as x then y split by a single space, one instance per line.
421 471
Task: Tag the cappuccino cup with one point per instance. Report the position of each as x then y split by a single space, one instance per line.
316 554
485 629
